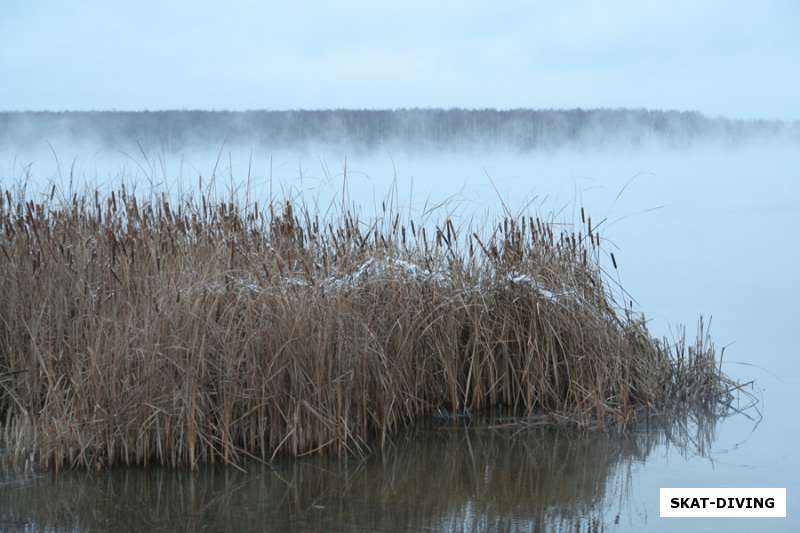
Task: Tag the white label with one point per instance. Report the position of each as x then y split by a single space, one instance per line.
720 503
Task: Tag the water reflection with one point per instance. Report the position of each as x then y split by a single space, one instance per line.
445 478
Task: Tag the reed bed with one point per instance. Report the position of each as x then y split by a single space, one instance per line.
153 330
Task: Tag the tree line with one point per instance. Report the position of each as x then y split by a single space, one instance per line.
523 129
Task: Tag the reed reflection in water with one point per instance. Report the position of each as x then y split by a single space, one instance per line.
442 478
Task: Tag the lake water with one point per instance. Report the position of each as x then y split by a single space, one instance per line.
709 230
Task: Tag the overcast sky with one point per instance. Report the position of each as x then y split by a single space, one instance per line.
738 59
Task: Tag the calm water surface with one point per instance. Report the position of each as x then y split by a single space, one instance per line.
723 242
447 478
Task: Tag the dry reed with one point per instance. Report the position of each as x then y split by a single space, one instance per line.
136 331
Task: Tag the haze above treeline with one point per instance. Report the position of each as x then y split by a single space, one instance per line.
519 129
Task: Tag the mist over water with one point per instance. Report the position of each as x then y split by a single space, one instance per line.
707 228
674 125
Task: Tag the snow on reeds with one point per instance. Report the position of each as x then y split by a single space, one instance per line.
178 332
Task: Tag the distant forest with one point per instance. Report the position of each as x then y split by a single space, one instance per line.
523 129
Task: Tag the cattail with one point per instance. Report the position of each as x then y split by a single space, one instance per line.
300 335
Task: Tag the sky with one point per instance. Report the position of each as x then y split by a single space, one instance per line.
723 58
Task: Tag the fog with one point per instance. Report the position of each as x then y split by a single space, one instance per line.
705 227
676 125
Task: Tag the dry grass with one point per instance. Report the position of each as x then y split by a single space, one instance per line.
135 331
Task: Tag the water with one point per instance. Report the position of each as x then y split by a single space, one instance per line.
711 230
445 478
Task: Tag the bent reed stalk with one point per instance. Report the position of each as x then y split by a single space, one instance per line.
179 332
